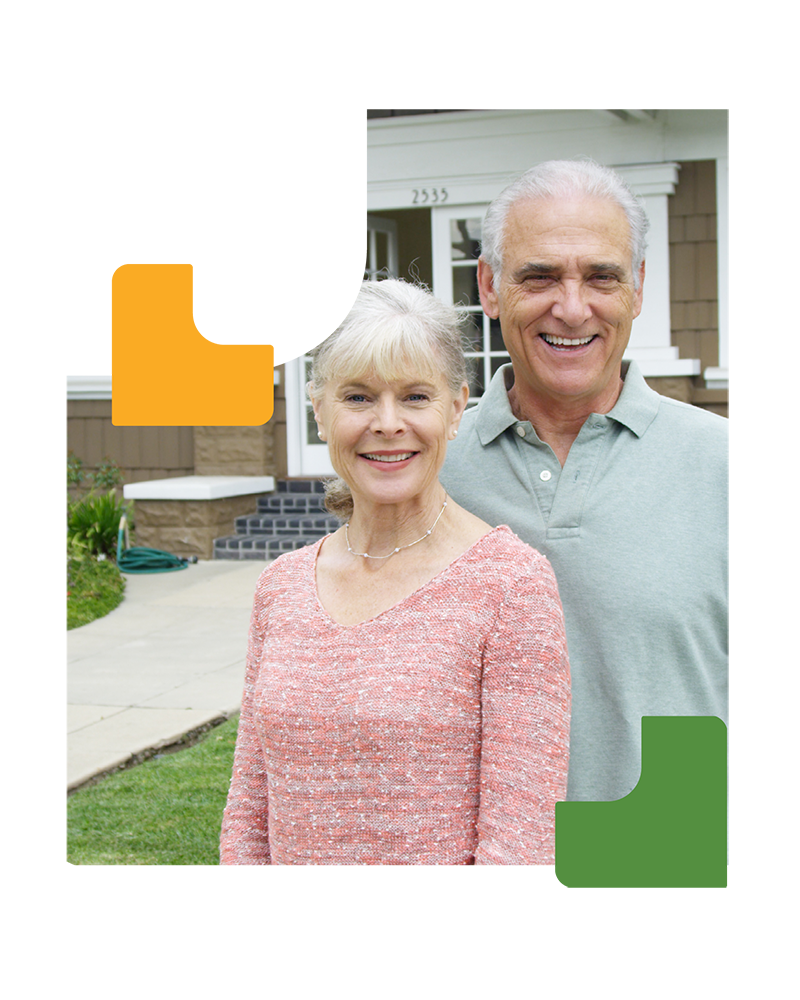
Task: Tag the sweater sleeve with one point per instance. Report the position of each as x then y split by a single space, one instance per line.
525 714
244 839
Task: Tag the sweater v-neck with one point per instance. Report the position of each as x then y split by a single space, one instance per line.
311 567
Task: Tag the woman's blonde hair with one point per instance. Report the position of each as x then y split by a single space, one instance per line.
394 327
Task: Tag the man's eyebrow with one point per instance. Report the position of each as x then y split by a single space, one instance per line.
531 267
604 268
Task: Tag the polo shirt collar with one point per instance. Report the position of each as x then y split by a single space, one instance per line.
494 414
638 404
635 409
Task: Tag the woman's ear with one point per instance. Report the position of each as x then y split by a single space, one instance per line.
459 405
316 405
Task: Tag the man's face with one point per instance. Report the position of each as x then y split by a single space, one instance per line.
565 299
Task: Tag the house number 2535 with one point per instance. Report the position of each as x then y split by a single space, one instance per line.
421 196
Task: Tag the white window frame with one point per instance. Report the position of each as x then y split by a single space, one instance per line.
443 267
717 378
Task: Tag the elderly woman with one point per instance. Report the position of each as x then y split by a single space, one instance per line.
407 695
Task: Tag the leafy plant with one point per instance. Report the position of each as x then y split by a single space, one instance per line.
107 475
94 522
77 554
75 470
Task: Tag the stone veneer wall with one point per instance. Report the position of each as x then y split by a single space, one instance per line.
676 388
234 451
189 527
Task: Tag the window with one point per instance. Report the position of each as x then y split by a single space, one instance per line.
456 248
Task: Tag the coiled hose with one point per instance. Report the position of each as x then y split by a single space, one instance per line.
143 560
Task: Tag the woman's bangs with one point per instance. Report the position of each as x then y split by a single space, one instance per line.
390 355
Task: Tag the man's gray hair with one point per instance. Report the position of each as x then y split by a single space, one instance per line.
564 179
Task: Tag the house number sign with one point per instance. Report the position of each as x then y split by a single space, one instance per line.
421 196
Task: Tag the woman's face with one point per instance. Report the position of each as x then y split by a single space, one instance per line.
388 440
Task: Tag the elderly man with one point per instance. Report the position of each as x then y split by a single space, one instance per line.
624 490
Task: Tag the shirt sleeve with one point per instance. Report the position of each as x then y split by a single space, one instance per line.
244 839
526 704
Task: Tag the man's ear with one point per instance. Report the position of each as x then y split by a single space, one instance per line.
637 301
489 299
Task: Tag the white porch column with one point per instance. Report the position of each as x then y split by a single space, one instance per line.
650 344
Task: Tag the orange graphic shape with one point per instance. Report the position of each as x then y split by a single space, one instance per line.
171 284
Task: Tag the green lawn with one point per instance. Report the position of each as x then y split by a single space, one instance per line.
165 811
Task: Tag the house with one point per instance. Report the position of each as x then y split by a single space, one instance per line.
431 175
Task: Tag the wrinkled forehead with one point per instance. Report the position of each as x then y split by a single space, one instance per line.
570 221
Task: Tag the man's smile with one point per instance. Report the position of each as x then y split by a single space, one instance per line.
566 342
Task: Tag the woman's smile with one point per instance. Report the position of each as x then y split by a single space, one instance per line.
388 438
390 458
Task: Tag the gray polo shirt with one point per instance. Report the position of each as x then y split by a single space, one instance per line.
635 527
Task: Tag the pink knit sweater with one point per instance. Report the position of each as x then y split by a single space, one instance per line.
435 733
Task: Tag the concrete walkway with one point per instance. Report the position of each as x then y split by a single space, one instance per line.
169 660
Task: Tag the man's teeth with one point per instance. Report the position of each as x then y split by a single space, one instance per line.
563 342
401 457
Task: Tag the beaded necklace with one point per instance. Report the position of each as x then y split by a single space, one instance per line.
366 555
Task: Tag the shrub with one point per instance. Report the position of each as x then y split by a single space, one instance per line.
77 557
94 522
75 470
107 475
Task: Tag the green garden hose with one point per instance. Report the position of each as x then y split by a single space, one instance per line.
143 560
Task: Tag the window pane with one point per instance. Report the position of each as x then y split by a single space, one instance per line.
475 370
465 239
472 330
495 336
465 286
498 363
475 376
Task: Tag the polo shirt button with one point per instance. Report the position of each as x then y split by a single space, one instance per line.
520 430
545 474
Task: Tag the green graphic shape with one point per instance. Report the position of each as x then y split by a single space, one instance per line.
670 831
